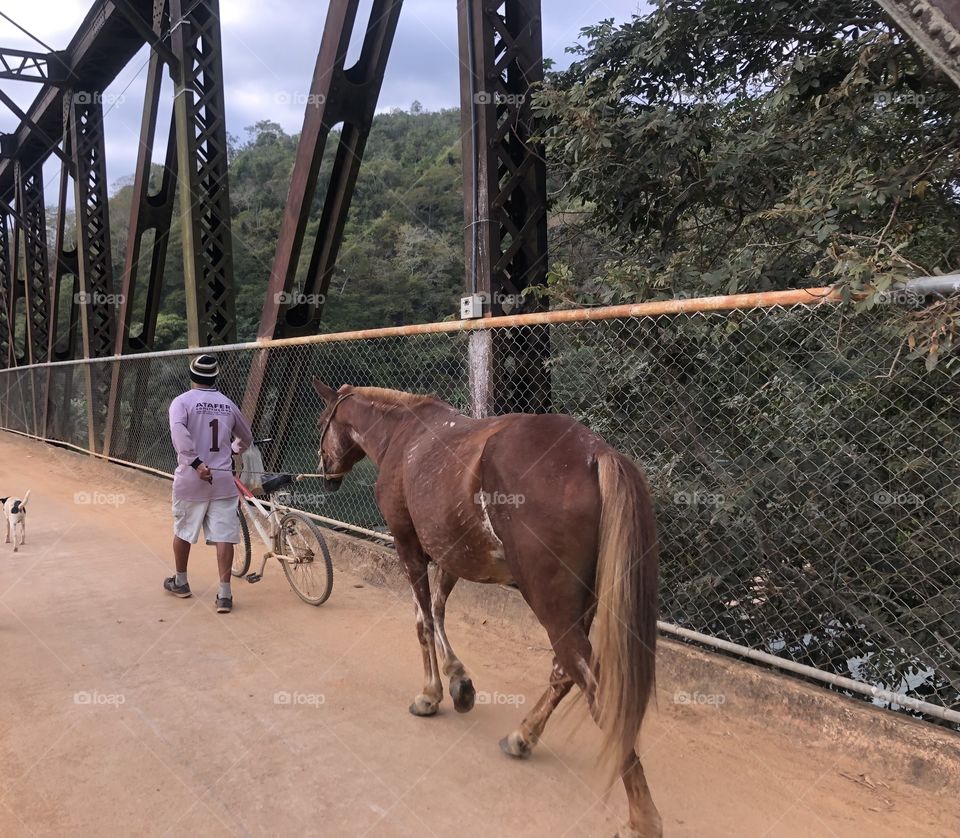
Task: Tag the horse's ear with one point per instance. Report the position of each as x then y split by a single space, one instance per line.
328 394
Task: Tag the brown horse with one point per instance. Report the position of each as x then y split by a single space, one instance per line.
535 501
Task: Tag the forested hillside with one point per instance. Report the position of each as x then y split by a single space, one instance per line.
402 256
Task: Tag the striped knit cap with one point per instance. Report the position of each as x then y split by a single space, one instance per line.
204 369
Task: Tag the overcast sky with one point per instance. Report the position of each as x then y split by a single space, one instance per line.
269 51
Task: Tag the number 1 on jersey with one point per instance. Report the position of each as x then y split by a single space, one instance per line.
214 434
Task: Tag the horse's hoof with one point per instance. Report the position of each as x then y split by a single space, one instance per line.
423 706
463 695
515 745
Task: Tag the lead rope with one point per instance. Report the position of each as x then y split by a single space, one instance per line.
323 471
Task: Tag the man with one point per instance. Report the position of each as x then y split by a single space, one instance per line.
203 422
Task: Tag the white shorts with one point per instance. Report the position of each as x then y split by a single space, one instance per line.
218 519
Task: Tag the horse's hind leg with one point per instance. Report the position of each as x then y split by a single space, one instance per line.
461 687
427 703
574 653
644 819
520 742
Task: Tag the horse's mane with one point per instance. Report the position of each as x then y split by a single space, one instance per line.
386 397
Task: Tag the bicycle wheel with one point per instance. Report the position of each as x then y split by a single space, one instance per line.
305 558
241 551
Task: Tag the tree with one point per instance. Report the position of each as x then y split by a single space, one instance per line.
720 147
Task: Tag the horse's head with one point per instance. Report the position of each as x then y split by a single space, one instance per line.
338 452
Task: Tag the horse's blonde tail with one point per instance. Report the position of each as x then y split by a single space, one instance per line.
624 642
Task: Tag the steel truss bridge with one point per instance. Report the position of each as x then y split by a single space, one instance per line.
505 202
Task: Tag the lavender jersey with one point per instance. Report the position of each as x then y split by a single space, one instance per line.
208 425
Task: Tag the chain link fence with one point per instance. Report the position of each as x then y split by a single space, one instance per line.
806 472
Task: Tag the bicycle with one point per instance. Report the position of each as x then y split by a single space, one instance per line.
289 536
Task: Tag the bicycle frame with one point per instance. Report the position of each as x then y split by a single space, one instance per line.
272 518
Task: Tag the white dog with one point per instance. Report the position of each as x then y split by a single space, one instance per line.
15 516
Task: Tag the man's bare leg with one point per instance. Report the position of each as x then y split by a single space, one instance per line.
177 584
224 563
224 560
181 553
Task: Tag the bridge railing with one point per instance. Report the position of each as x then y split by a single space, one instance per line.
805 466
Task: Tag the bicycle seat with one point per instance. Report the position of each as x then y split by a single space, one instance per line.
275 482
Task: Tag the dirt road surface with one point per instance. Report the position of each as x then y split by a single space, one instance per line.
125 711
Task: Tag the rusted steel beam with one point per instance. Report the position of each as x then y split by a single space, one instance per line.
96 298
202 166
338 95
102 46
6 286
36 281
7 147
34 287
147 212
63 342
156 38
42 67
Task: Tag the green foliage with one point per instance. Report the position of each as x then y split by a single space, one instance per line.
723 147
402 254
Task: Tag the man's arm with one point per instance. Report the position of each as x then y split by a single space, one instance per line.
182 441
242 433
180 435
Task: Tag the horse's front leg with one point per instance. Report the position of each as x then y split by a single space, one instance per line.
415 563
